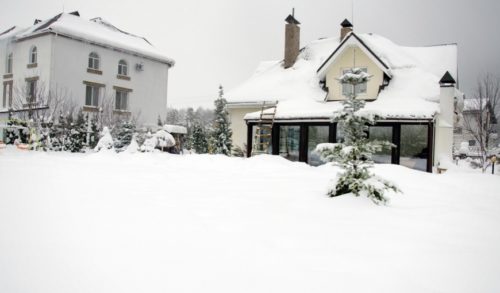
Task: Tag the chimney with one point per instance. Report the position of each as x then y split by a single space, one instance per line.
346 29
445 120
292 40
37 21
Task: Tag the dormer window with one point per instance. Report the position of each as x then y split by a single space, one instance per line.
94 61
122 68
349 89
33 55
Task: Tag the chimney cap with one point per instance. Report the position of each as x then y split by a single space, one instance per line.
75 13
37 21
291 19
447 79
346 23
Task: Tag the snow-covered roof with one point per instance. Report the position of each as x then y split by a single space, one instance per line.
175 129
413 92
95 30
474 104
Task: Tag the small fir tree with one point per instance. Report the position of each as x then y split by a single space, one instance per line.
221 134
124 133
354 155
75 142
199 140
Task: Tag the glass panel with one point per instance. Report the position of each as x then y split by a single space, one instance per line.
95 96
340 133
381 133
262 139
317 135
4 100
118 100
289 142
88 96
414 149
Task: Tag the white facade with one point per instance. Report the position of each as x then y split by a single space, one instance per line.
62 67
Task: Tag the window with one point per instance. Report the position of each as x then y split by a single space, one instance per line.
347 89
316 135
289 142
94 61
31 91
8 68
472 142
121 100
92 96
381 133
33 55
413 146
7 95
122 68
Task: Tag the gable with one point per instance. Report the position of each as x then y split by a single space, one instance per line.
352 41
351 57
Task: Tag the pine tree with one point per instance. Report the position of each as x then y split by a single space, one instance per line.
221 134
93 136
354 155
199 141
75 142
160 123
124 134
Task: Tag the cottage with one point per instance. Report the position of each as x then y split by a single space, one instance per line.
90 64
286 107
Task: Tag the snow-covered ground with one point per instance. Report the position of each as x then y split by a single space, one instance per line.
154 222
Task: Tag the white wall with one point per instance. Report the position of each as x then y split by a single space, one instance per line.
62 65
149 95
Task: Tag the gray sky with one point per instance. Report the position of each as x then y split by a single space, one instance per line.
222 41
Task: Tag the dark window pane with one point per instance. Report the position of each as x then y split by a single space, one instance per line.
289 142
414 150
381 133
88 96
317 135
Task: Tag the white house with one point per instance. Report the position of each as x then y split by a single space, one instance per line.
286 107
87 62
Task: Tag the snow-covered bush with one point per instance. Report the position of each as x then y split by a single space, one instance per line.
106 141
354 155
161 140
133 146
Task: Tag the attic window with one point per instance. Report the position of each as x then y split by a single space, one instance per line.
348 89
94 61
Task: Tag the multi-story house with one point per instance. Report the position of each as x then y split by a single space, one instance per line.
286 107
83 64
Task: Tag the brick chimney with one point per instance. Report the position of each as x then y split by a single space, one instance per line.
292 40
346 29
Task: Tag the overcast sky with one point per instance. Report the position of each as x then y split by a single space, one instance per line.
222 41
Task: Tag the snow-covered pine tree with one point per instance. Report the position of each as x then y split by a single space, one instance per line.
106 140
75 142
124 134
221 134
199 141
354 155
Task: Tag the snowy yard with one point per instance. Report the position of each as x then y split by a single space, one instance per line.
198 223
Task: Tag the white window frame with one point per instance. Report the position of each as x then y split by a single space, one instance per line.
94 61
92 95
360 89
33 55
122 68
121 100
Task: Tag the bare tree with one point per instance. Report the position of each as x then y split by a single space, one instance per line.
39 104
481 117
